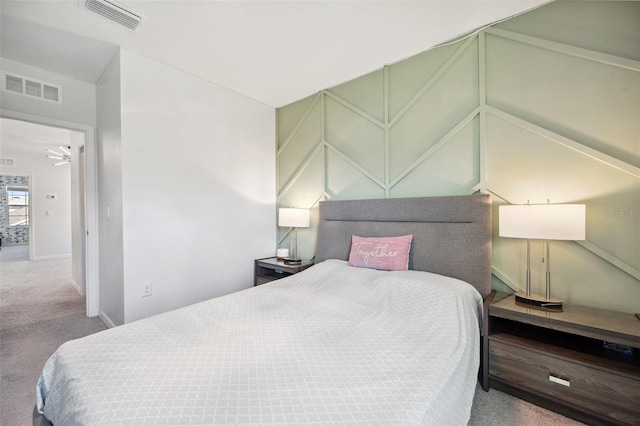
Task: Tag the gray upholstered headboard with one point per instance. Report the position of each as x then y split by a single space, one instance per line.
451 235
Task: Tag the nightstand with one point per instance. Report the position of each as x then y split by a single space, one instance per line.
270 269
581 362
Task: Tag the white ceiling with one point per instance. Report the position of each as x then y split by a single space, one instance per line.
23 137
273 51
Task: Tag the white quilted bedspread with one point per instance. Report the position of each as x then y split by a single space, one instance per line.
332 345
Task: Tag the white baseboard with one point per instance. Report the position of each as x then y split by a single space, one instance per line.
53 256
76 286
106 320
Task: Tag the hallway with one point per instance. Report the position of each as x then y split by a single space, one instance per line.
39 310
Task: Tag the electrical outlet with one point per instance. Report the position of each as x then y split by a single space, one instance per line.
146 289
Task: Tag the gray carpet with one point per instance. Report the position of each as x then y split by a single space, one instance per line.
495 408
39 310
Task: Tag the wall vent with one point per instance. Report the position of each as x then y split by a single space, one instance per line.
30 87
116 12
7 162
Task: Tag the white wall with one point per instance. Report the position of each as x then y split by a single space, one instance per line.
187 174
50 235
198 167
110 195
78 98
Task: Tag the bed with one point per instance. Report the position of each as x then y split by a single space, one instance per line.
334 344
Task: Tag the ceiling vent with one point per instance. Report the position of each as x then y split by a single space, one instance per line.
31 87
116 12
7 162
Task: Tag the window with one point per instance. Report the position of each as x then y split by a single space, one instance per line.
18 201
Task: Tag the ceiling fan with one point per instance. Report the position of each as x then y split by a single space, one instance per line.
63 154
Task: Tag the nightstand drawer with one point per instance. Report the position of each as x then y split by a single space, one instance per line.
263 280
612 395
271 269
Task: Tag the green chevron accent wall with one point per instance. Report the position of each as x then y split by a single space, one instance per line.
543 107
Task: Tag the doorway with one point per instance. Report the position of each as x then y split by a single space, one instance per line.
83 206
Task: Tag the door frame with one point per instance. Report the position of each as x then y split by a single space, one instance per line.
92 284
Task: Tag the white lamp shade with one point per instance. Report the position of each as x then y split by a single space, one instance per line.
294 218
543 221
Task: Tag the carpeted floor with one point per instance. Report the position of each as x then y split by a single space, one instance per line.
39 310
495 408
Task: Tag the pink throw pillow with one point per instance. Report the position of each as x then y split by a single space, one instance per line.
385 253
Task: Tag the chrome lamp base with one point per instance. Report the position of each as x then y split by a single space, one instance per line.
539 301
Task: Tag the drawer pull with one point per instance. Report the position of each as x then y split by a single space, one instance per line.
559 381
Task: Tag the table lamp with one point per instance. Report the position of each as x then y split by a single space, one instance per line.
293 218
542 222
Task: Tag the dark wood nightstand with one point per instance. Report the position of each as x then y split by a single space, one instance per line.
270 269
581 362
